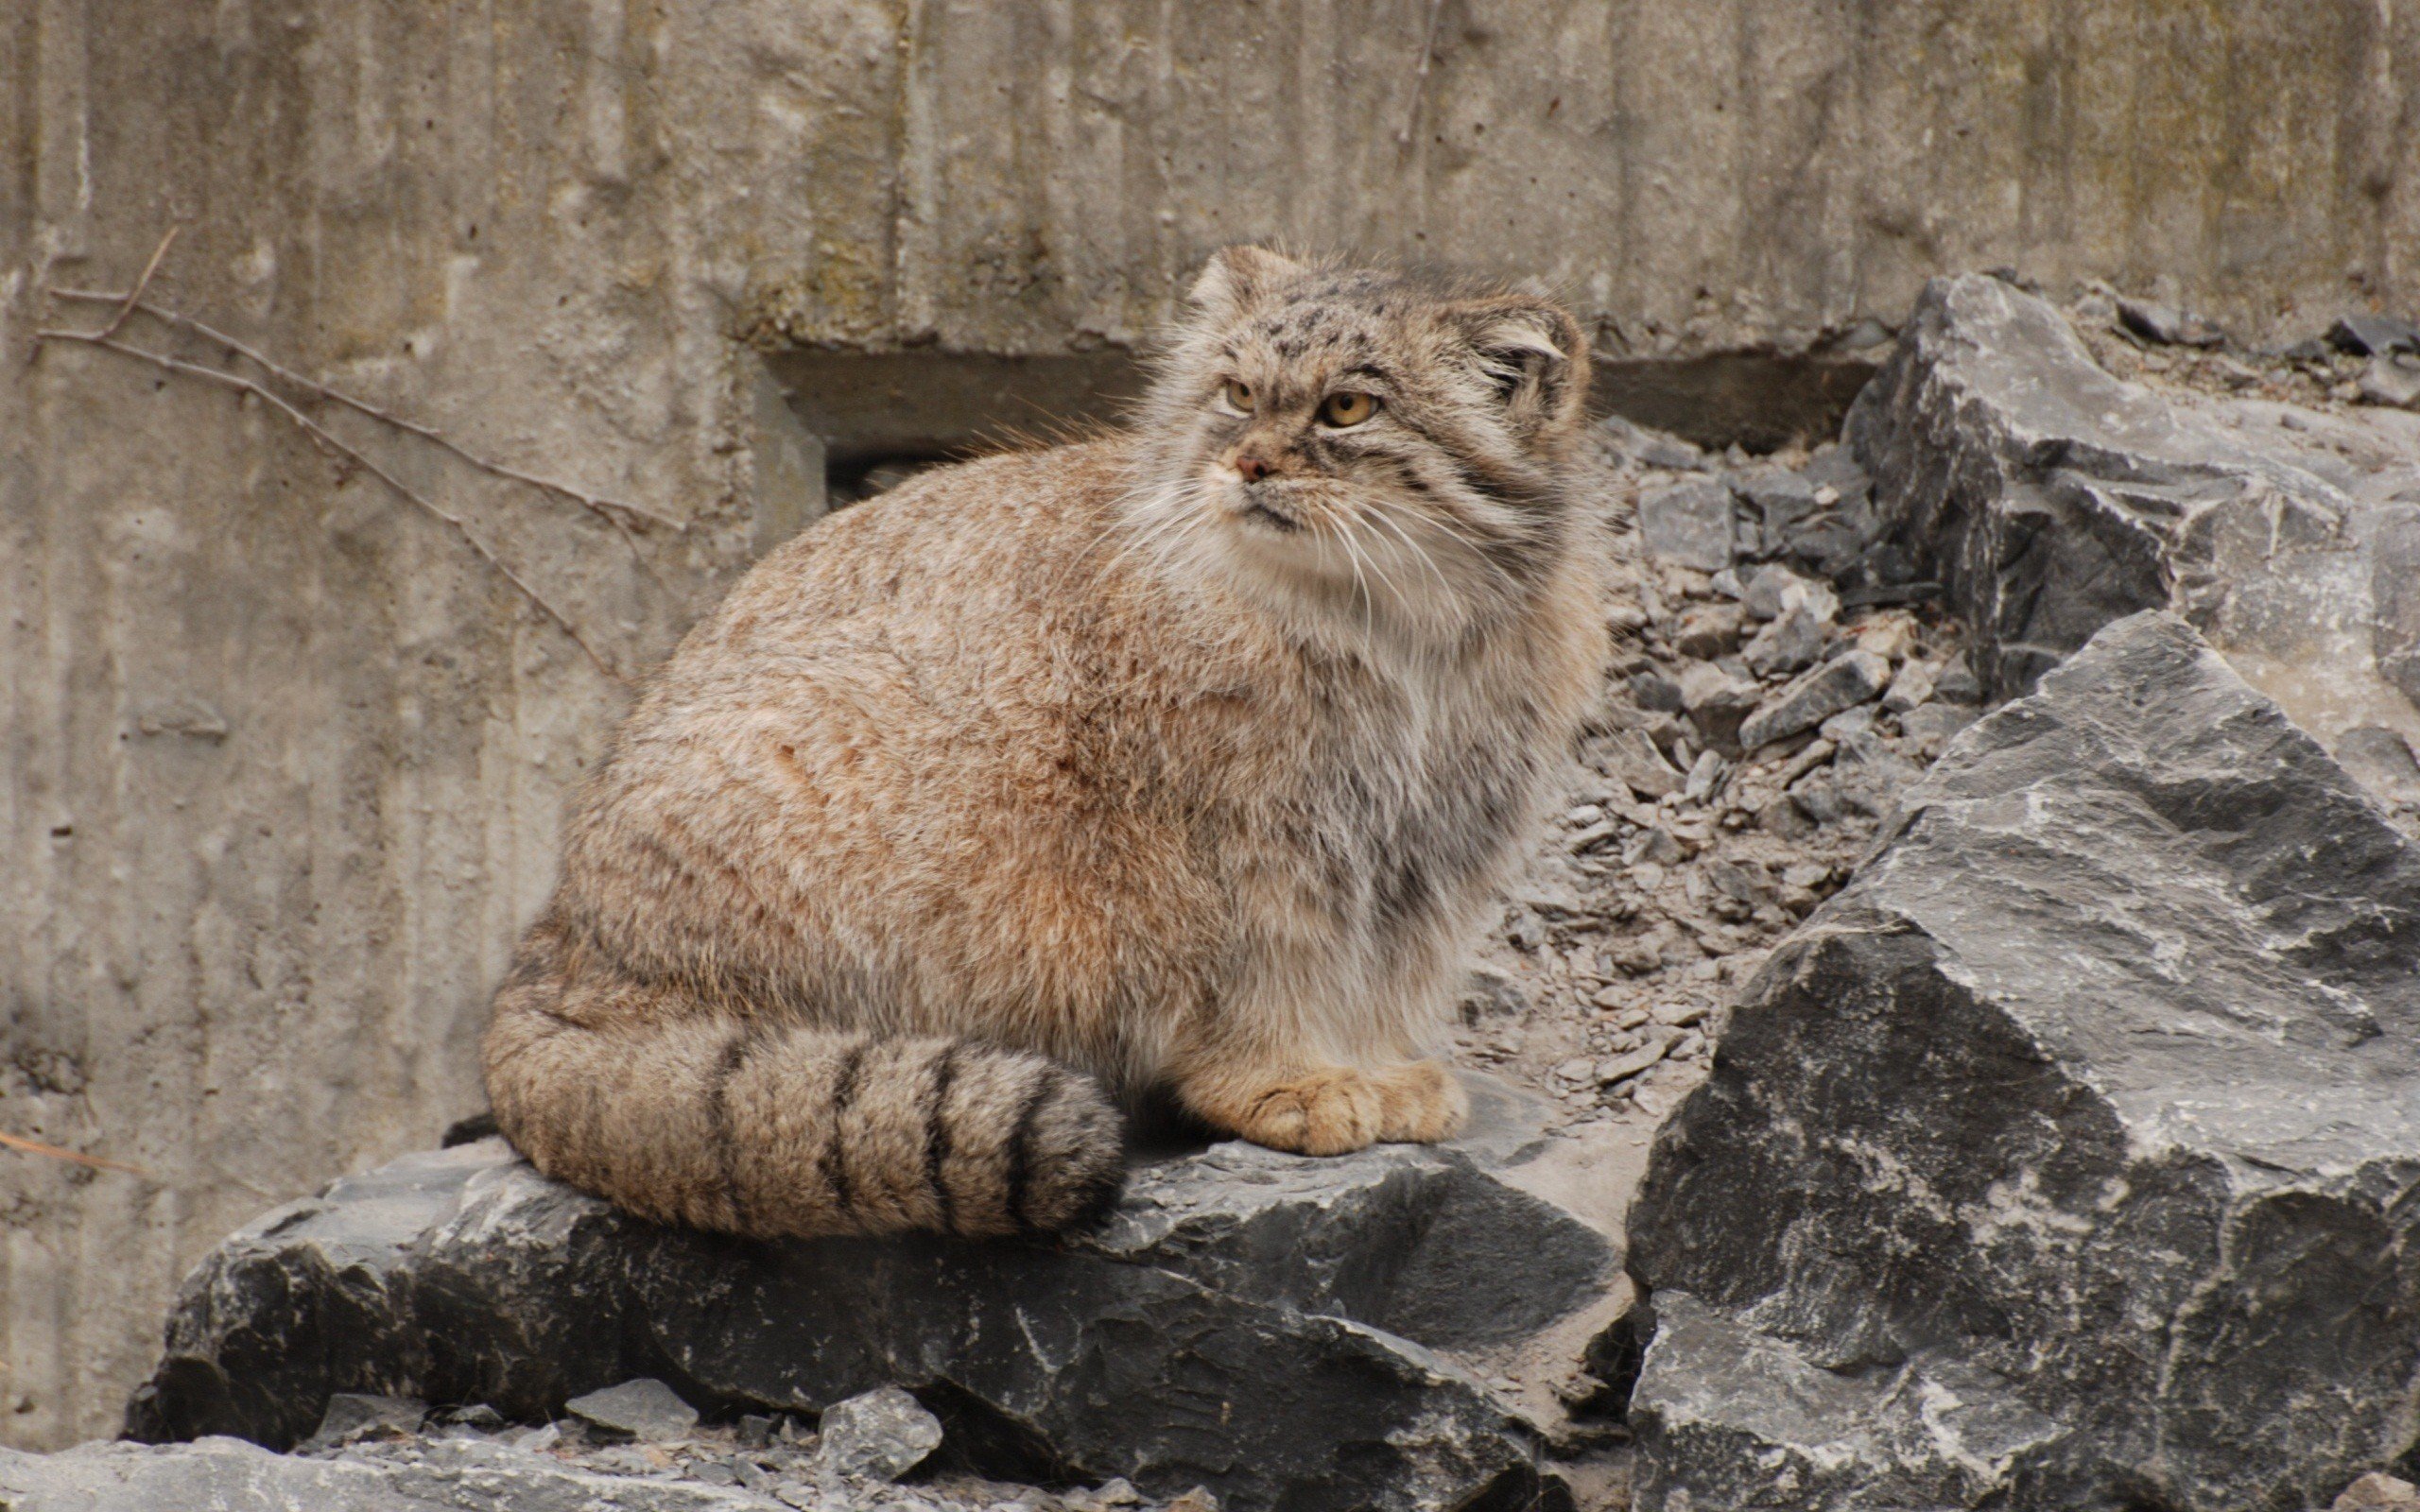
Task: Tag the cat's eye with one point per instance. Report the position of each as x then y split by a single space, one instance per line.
1239 396
1343 410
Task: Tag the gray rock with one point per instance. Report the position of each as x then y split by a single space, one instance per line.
1931 725
2373 335
1843 682
1910 686
1655 692
2050 498
1775 586
2393 381
1956 681
1781 499
353 1416
2064 1158
2382 761
1275 1328
1718 699
645 1409
2168 325
1629 756
229 1475
879 1435
1789 642
1688 522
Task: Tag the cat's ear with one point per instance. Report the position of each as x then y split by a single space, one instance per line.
1533 353
1236 276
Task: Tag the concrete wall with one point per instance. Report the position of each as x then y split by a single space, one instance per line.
283 761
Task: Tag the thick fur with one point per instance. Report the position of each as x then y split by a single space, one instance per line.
1061 778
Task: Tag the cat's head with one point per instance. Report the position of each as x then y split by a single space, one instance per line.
1364 442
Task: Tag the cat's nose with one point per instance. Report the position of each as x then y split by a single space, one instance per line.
1253 468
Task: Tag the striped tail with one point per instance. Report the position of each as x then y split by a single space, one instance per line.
684 1115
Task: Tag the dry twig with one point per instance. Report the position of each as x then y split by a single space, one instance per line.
595 504
134 296
328 440
18 1142
1420 75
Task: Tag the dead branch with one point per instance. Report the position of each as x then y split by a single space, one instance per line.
328 440
596 504
134 296
1420 74
18 1142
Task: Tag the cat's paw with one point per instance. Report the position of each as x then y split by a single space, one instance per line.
1327 1113
1342 1109
1424 1102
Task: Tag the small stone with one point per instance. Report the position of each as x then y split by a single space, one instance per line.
1781 499
352 1416
1687 1047
1708 630
714 1472
1956 681
644 1408
536 1440
1846 681
1929 728
1616 1067
479 1417
1652 691
1647 876
1487 993
2392 381
2168 325
1688 523
1196 1500
1579 815
2373 335
2380 760
1679 1015
754 1430
1912 685
1575 1070
1717 700
1654 845
879 1436
1768 593
1847 723
1116 1491
1633 757
1789 644
1782 818
1704 775
2378 1491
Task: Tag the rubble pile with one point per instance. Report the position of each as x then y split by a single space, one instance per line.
1768 699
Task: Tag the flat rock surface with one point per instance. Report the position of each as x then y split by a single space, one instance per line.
2071 1154
1284 1331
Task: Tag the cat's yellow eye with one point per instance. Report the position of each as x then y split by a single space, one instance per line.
1239 396
1347 409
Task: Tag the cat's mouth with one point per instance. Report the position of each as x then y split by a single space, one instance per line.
1255 510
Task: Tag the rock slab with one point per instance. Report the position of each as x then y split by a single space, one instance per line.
1282 1331
2071 1156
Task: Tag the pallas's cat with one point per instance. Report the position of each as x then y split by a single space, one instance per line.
1179 764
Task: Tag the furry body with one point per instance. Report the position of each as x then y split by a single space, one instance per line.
1049 780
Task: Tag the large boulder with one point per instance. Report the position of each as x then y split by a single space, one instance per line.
1289 1333
2050 498
2071 1156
